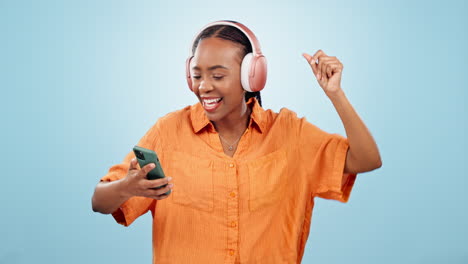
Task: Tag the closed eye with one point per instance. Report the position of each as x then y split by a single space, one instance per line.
196 77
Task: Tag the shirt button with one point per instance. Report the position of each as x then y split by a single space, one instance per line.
233 194
233 224
231 252
231 165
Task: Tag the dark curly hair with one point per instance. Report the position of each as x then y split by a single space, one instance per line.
232 34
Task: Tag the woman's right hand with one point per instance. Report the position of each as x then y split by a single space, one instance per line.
136 183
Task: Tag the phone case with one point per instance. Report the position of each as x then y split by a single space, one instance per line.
147 156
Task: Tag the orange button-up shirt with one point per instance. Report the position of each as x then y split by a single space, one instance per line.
254 207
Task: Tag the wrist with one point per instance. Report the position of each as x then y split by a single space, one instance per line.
336 95
123 190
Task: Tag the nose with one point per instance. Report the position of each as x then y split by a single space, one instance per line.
205 86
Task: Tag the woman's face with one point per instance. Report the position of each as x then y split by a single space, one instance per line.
215 71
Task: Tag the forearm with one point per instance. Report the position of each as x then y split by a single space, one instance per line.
108 196
363 153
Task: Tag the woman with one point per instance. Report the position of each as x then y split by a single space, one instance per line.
243 178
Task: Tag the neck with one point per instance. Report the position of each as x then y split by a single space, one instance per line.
233 127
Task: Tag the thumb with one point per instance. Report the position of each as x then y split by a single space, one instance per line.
311 62
133 164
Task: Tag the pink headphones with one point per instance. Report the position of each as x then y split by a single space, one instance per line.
253 67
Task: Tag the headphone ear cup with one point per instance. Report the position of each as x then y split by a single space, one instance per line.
253 72
187 72
258 73
245 72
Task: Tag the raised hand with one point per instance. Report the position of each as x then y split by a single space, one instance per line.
327 70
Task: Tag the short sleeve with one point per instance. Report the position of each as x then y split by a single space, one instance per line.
326 154
134 207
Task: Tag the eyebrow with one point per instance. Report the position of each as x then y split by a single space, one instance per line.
212 67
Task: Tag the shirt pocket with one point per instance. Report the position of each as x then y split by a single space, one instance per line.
267 179
193 181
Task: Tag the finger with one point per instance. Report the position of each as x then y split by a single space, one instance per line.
326 61
330 70
133 164
147 168
307 57
340 67
334 68
159 192
311 62
334 60
164 190
321 67
151 184
317 64
319 54
324 71
160 197
316 56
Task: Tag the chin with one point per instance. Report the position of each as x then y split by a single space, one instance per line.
214 117
216 114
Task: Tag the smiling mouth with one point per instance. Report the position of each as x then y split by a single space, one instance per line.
211 104
212 101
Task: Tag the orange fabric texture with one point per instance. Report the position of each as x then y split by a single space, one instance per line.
255 207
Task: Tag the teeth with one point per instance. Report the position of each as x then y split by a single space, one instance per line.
210 101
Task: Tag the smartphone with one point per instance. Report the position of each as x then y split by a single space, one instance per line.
147 156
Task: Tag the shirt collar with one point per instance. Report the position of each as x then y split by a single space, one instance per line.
200 121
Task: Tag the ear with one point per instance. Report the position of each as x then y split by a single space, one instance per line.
187 72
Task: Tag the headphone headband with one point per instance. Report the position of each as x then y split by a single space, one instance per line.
247 32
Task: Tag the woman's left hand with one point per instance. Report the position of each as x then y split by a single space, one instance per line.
327 70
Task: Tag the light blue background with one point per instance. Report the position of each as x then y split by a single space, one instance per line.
82 81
